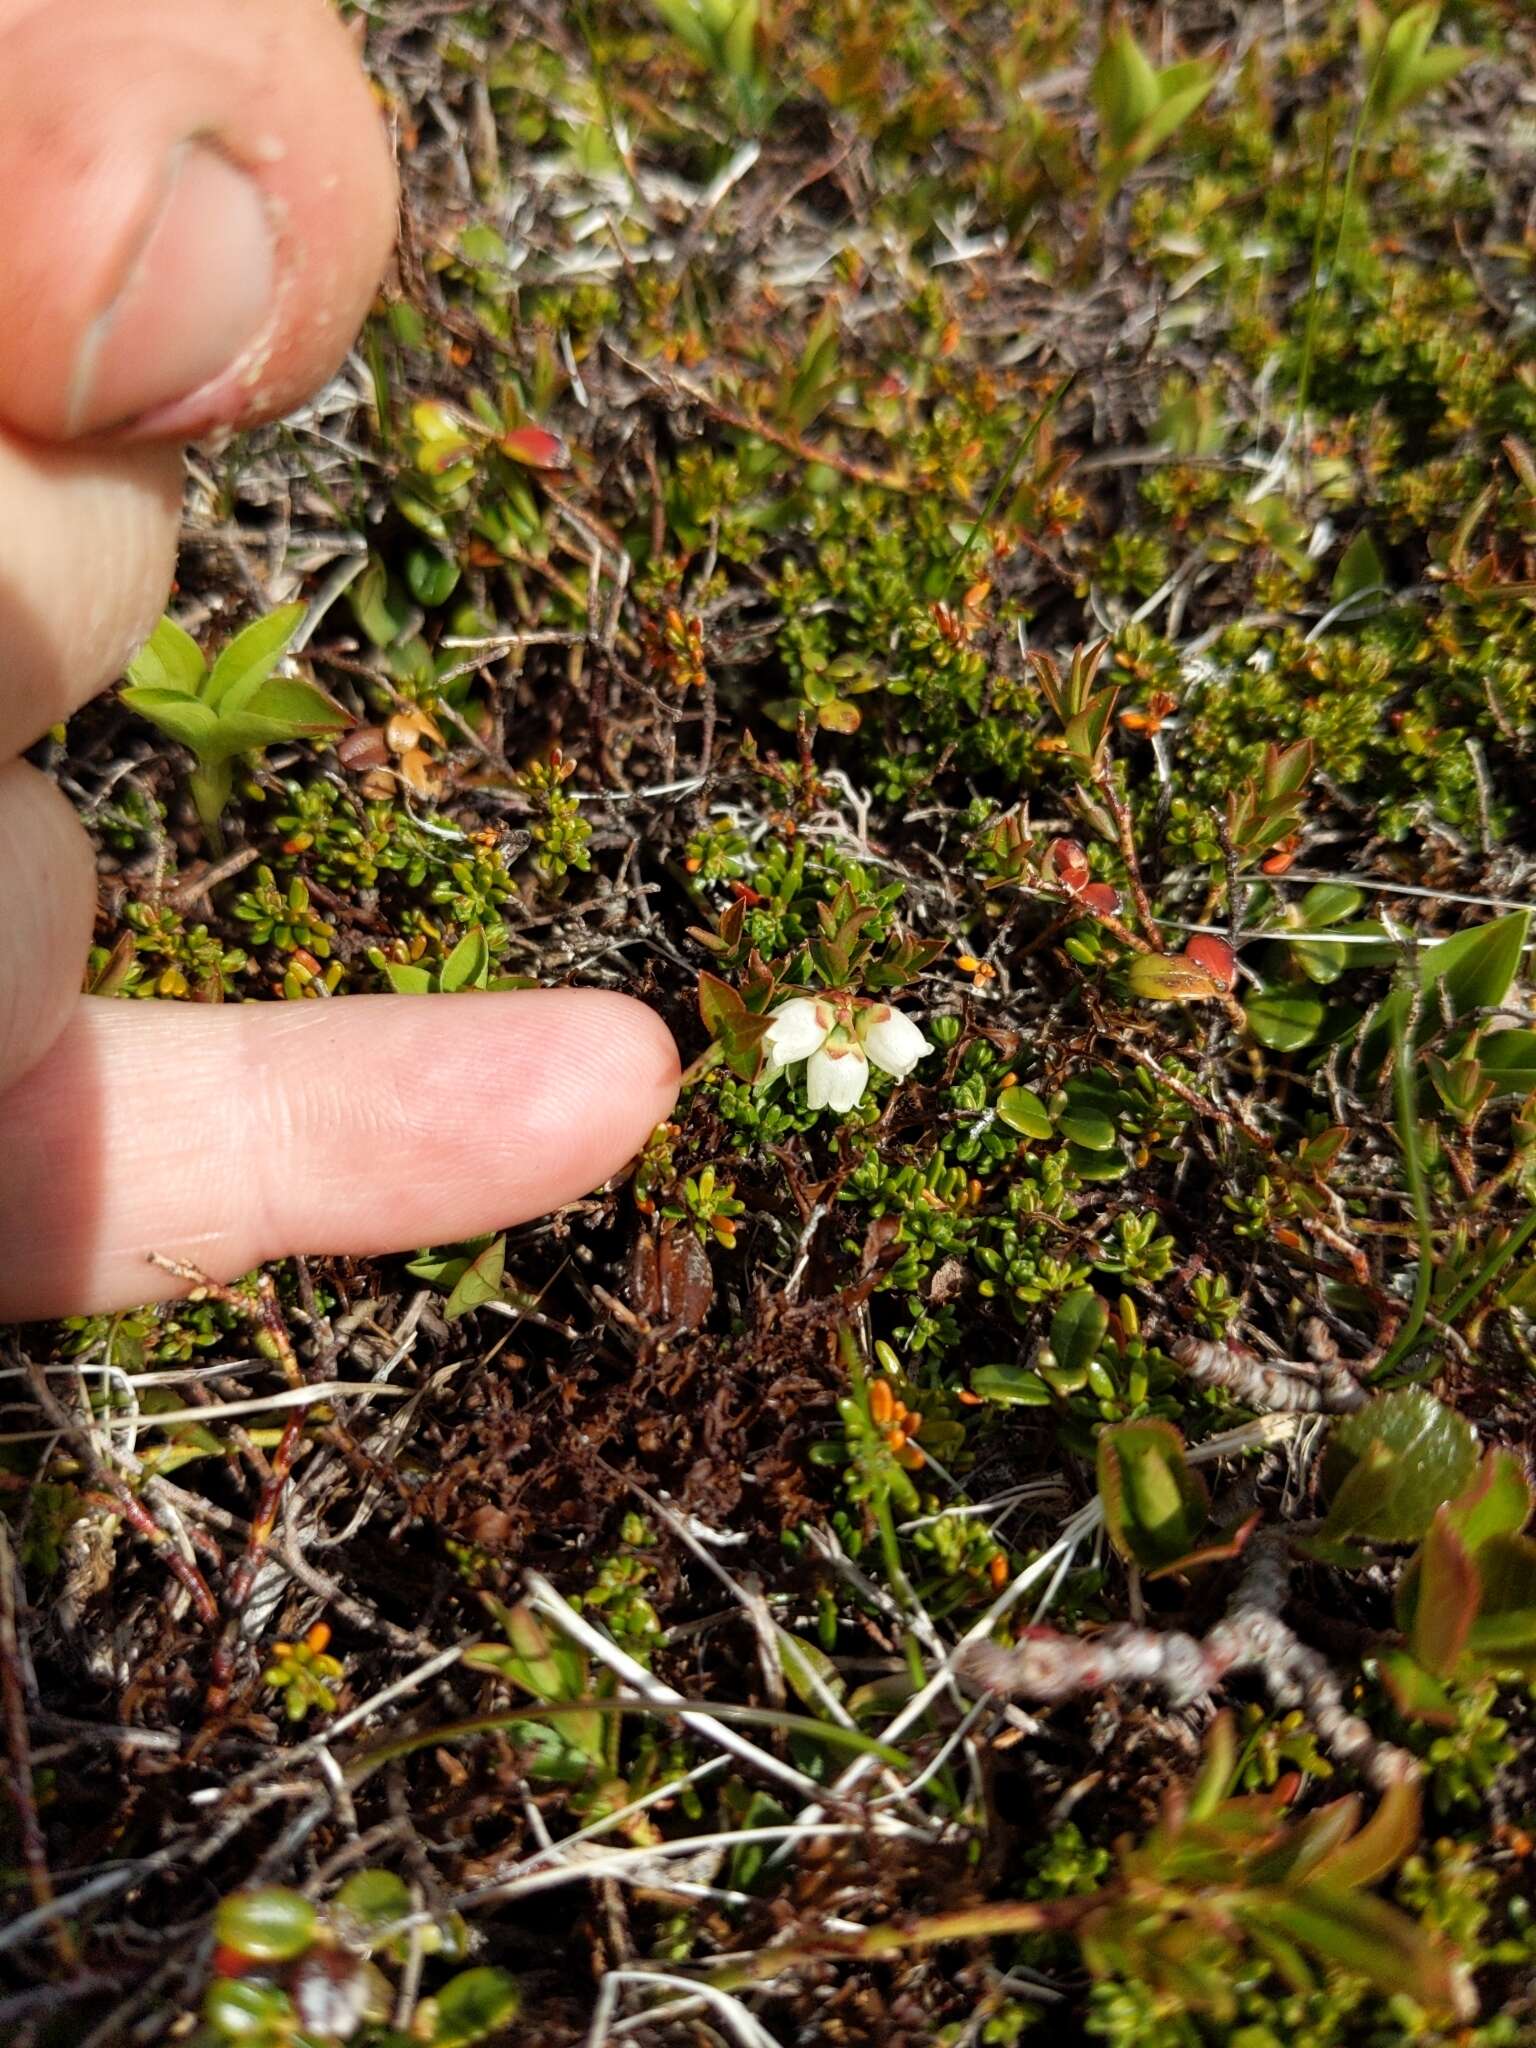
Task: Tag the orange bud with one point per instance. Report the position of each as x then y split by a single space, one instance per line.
319 1637
882 1402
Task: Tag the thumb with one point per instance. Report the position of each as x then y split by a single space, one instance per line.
196 204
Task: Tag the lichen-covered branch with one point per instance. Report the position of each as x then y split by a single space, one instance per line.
1048 1667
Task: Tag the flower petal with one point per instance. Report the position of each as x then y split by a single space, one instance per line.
797 1029
835 1077
892 1041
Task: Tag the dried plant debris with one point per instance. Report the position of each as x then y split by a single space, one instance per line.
980 559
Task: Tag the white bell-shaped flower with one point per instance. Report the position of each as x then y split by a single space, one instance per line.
891 1040
836 1072
799 1028
838 1054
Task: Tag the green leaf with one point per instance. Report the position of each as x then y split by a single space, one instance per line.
1360 569
480 1281
183 718
468 965
1011 1386
1022 1110
272 1925
1380 1846
1416 1696
281 708
1155 1504
1497 1503
473 2004
443 1268
408 981
1362 1934
1503 1636
1508 1059
170 659
810 1673
1328 903
374 1899
1474 970
1393 1463
1477 969
1170 978
1077 1329
251 657
1089 1128
1284 1019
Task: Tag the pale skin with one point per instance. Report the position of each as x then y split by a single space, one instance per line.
196 205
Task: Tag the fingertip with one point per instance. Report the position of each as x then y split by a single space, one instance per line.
361 1126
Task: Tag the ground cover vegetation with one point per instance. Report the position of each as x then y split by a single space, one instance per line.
979 556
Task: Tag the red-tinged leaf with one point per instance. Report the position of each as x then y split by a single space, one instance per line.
1286 770
719 1005
1069 863
1441 1596
1155 1503
1301 1849
536 448
1170 978
1221 1552
1380 1846
1100 897
838 715
1497 1503
1215 956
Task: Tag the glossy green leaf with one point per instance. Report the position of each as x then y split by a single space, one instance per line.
1022 1110
472 2005
272 1925
248 2011
170 659
1155 1504
1011 1386
250 658
183 718
1089 1128
1284 1019
1077 1329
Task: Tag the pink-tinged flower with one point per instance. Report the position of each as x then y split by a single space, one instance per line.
892 1041
838 1054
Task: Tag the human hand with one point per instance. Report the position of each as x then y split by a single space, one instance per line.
196 202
